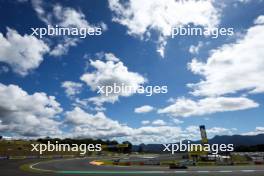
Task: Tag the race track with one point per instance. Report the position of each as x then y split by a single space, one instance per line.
81 166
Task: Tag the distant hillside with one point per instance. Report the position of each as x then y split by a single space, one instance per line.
237 140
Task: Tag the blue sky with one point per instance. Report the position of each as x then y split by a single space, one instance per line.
134 41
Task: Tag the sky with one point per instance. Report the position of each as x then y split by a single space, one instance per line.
49 85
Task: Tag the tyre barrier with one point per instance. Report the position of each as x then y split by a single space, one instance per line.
141 163
259 162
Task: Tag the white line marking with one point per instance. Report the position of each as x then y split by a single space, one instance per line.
248 170
225 171
33 166
180 171
46 170
43 170
203 171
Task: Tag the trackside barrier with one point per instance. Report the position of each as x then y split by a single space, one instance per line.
46 157
68 156
4 157
141 163
241 163
17 157
258 162
32 157
57 156
205 163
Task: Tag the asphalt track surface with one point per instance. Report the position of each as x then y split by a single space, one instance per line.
82 167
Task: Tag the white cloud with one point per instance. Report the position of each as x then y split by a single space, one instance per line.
111 73
177 121
220 130
159 122
258 130
22 114
111 57
145 122
37 5
63 17
98 125
211 131
63 48
170 134
183 107
22 53
158 134
95 125
71 88
160 16
195 49
143 109
233 67
259 20
4 69
83 124
193 129
69 17
59 15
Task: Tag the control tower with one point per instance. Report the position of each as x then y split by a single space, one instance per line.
203 135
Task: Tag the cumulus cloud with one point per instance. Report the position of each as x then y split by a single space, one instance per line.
111 57
258 130
22 53
158 134
233 67
63 17
69 17
170 134
95 125
183 107
22 114
211 131
145 122
259 20
194 49
220 130
177 121
98 125
63 47
59 15
142 19
159 122
110 73
143 109
71 88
